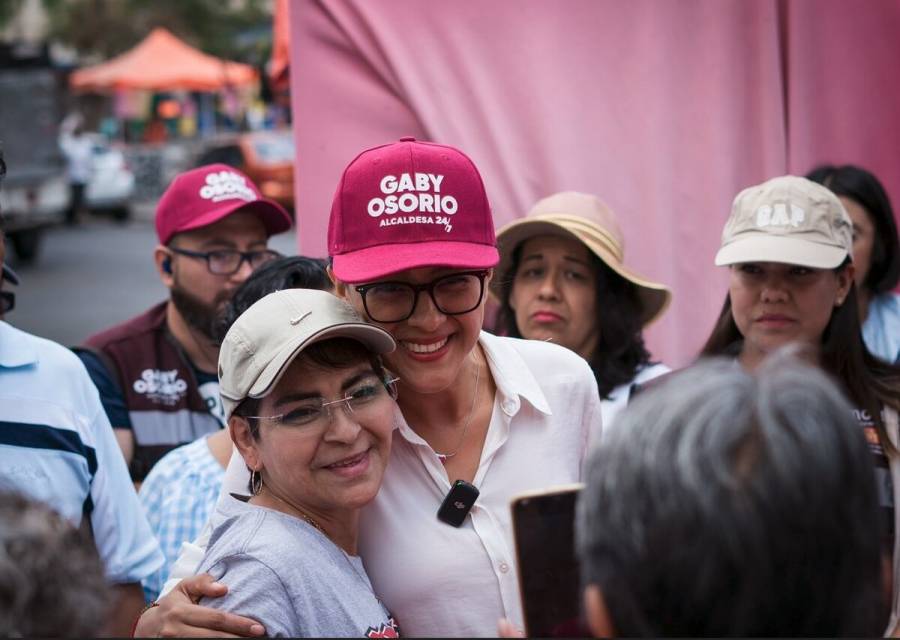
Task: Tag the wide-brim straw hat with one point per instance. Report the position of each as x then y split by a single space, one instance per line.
589 220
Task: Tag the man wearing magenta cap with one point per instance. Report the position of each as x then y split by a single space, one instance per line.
157 372
411 237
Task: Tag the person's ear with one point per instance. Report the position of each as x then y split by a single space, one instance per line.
162 257
341 289
239 429
844 280
598 618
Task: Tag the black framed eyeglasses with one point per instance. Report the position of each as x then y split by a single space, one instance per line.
225 262
7 302
394 301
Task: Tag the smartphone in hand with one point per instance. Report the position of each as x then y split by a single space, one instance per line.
544 532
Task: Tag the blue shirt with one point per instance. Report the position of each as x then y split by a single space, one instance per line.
57 446
881 330
178 495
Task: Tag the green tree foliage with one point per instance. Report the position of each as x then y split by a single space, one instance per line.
8 8
232 29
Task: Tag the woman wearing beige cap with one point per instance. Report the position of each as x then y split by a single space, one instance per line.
788 246
562 279
310 409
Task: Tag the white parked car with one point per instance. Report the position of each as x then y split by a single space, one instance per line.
111 187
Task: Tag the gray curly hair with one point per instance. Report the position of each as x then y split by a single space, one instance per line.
51 580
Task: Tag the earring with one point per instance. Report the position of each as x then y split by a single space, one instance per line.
256 482
839 302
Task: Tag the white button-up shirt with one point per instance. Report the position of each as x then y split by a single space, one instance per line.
436 579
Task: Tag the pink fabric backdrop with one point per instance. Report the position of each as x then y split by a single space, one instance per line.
665 110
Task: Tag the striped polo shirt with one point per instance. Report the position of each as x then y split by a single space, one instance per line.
57 446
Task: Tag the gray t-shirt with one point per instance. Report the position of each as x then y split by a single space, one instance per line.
290 577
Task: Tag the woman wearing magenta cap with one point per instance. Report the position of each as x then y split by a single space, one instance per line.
412 243
788 246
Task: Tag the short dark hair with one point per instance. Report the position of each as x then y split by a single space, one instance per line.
866 190
292 272
620 352
52 582
728 504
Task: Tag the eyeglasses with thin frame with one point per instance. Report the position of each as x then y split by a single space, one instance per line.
395 301
363 399
225 262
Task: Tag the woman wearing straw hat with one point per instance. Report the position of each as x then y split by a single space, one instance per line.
562 279
788 246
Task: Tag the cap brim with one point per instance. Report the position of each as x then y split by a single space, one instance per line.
372 263
274 217
655 297
782 249
376 339
9 275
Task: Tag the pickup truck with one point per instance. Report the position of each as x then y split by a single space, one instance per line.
35 191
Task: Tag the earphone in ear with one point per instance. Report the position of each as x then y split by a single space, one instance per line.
167 265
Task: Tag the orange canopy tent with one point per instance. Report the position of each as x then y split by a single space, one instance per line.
162 62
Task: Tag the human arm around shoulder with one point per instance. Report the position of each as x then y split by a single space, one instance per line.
255 590
177 614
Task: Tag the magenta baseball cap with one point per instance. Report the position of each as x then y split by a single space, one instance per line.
205 195
406 205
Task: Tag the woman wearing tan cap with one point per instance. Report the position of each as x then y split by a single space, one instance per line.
311 410
562 279
788 246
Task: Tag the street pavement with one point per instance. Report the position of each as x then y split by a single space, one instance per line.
93 275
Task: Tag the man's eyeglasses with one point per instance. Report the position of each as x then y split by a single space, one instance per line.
453 295
364 400
225 262
7 301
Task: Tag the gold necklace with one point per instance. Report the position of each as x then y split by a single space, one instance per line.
303 515
444 456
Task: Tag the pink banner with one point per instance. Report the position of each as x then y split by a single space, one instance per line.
664 110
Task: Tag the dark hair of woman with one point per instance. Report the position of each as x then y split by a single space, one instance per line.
620 351
870 383
864 188
293 272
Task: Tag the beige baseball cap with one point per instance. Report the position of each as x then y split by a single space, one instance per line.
268 336
589 220
790 220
